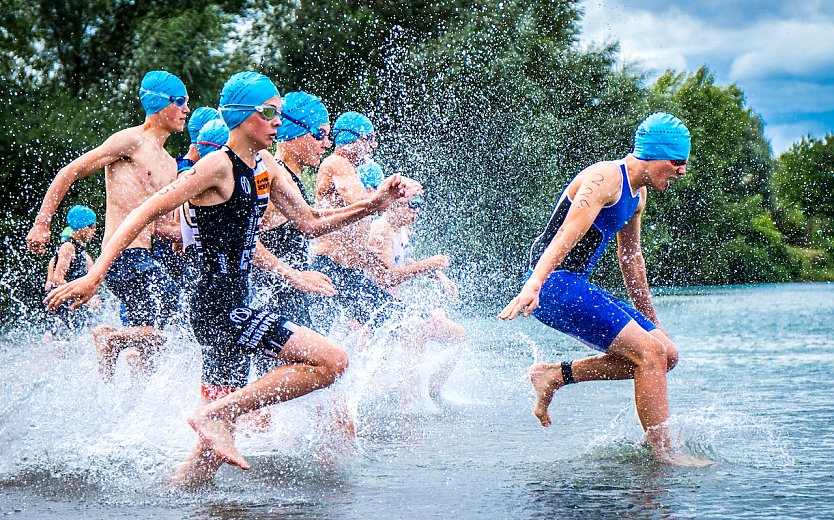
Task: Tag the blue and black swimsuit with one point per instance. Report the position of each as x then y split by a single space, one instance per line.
568 302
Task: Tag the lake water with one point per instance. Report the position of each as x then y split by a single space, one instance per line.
753 391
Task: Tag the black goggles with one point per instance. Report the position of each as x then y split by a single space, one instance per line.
317 133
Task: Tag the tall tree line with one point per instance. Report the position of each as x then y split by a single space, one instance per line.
492 105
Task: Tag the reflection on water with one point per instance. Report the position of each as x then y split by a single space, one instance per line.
752 391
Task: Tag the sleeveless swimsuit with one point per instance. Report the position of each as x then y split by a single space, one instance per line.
289 244
72 320
226 234
568 302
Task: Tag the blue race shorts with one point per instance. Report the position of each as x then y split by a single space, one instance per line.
571 304
148 294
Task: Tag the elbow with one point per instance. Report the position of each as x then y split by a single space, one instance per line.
309 230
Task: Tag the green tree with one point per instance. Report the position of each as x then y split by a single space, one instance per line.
714 224
803 184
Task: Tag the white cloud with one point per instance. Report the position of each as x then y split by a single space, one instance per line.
783 136
784 47
781 55
681 40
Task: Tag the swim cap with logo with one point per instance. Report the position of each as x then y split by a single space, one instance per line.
156 89
241 93
370 173
303 108
213 136
198 120
80 217
661 136
349 127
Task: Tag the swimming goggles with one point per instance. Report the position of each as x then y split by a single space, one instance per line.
268 112
180 101
317 133
678 162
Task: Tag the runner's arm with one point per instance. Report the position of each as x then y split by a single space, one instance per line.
385 274
205 176
65 254
306 281
633 265
316 222
113 149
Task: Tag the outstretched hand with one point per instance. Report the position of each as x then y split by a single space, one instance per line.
436 262
391 190
80 290
526 302
311 282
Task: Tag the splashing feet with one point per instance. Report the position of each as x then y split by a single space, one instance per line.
546 379
217 433
106 353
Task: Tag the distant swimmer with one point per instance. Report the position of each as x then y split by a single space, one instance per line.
136 166
605 200
391 243
344 255
228 192
71 261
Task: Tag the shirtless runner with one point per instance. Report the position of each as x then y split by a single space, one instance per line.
136 165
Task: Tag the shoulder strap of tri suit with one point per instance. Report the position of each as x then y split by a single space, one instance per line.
78 246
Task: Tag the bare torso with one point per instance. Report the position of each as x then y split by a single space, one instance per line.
131 180
337 186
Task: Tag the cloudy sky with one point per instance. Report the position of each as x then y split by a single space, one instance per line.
780 53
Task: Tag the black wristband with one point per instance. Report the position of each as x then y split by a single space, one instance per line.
567 372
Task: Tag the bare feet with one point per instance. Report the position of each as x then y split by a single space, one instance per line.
141 363
217 433
681 459
106 354
546 379
198 468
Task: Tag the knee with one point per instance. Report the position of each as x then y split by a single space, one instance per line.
335 365
652 355
671 356
458 333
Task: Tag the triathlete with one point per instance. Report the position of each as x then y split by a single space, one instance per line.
606 200
228 193
135 165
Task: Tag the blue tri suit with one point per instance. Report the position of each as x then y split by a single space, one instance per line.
568 302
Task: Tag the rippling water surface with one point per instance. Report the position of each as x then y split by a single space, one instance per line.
752 392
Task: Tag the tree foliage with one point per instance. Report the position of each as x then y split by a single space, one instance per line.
494 106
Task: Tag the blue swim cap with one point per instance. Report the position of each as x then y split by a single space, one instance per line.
66 232
80 217
370 173
198 120
303 108
417 202
241 93
212 137
157 88
349 127
661 136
